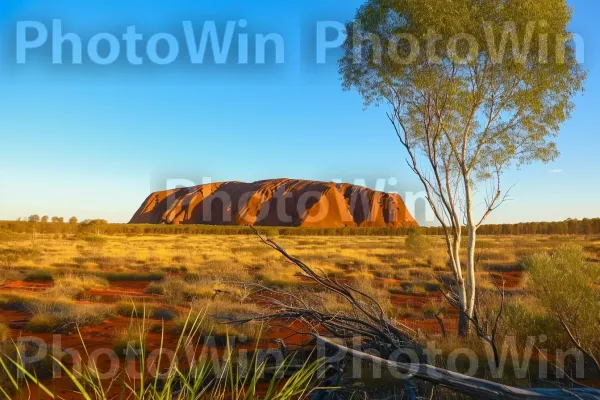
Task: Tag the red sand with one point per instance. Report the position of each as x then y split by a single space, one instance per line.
103 336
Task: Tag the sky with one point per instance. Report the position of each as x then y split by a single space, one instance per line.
94 140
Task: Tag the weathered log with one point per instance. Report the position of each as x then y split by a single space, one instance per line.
464 384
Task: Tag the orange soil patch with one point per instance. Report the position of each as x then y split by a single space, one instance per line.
119 290
103 336
26 286
512 279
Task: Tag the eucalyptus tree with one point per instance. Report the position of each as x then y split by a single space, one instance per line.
473 87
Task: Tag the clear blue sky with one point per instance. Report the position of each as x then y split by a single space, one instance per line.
94 141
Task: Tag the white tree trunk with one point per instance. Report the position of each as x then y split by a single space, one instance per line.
472 241
471 270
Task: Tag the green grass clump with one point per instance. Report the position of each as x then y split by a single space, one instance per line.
155 289
64 315
11 256
132 340
228 378
75 286
134 276
16 302
43 323
214 315
566 286
39 276
94 239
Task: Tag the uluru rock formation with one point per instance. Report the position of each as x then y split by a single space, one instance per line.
276 202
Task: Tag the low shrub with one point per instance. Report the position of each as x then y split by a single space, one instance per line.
155 289
204 377
566 285
134 276
163 314
96 240
432 286
75 286
62 315
39 276
416 243
129 309
524 318
11 256
213 315
131 341
43 323
16 302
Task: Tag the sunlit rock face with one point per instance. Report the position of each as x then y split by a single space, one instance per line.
276 202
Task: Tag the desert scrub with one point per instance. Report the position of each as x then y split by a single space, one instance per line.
202 379
75 286
177 291
8 275
133 276
416 244
39 276
11 256
566 285
131 340
94 240
16 302
155 289
64 315
131 309
525 317
214 315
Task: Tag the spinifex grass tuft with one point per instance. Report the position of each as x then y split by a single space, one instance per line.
201 378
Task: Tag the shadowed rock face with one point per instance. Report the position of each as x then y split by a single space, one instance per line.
276 202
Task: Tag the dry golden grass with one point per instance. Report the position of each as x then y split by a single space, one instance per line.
207 269
243 258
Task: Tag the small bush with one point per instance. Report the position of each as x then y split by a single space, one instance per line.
432 286
525 317
131 309
11 256
130 341
134 277
416 244
155 289
95 240
75 286
407 287
211 314
566 285
43 323
39 276
163 314
61 315
431 309
16 302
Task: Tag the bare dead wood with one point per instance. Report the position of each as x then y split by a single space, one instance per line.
371 320
577 343
464 384
441 321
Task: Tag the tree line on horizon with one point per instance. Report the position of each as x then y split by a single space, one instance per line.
57 225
